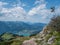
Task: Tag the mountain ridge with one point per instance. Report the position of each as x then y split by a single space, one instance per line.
17 26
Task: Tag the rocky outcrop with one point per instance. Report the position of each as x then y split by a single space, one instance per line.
30 42
51 40
47 37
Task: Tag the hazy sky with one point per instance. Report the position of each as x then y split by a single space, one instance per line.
28 10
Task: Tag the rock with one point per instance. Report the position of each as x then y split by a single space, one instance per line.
50 41
29 42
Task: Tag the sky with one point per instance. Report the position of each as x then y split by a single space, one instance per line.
28 10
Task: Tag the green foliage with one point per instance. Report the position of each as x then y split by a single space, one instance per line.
55 23
7 36
12 39
17 42
47 37
57 39
4 43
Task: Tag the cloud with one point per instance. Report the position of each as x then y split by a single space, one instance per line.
16 13
19 3
39 13
3 3
39 2
57 11
40 9
37 9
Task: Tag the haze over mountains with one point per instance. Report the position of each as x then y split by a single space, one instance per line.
19 27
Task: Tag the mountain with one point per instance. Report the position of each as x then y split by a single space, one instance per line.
19 27
50 35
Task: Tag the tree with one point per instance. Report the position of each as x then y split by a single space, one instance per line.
55 23
52 9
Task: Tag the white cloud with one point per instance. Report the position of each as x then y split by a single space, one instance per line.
37 9
57 11
39 13
19 3
5 10
42 11
3 3
18 11
39 2
15 13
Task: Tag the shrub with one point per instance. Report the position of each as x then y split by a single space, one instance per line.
55 23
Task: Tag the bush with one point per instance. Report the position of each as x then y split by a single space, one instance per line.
55 23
